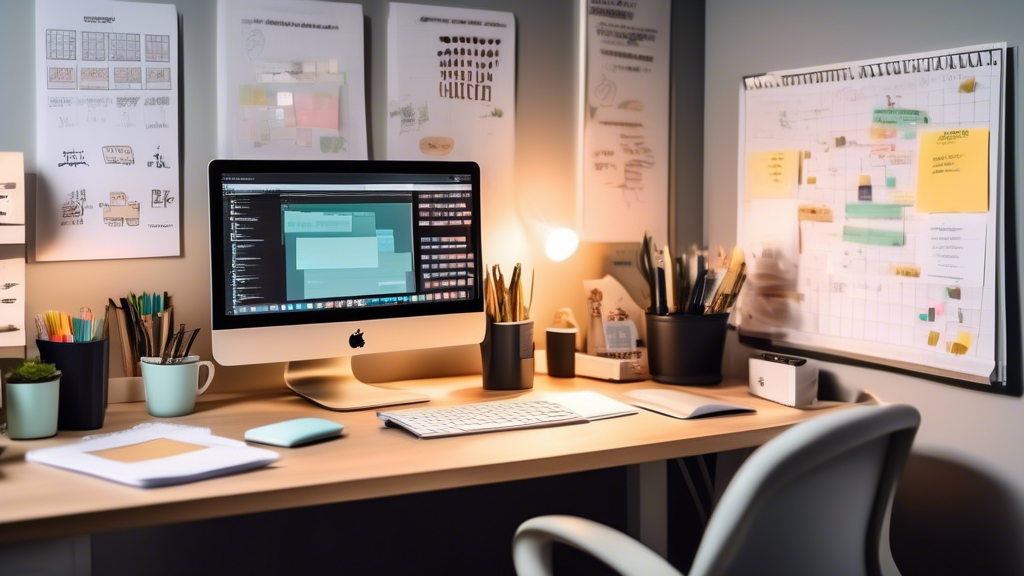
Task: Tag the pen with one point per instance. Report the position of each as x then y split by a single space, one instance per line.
191 339
698 287
655 283
671 290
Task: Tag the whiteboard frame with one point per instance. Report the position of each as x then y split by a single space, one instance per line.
999 382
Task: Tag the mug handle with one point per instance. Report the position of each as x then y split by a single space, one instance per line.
209 377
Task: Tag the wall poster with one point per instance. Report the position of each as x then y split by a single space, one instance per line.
107 130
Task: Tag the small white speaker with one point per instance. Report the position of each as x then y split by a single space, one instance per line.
784 379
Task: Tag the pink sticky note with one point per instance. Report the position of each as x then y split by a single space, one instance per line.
316 110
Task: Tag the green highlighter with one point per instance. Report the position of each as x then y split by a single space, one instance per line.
292 433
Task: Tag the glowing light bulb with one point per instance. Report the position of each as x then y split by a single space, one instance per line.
561 244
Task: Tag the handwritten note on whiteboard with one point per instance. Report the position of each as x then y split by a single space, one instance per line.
952 171
773 174
107 130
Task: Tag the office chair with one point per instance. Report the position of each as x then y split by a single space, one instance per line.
815 500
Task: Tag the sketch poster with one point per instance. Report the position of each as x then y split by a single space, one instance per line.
451 96
12 295
290 80
12 198
107 130
626 121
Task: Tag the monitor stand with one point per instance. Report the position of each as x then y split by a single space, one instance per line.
331 384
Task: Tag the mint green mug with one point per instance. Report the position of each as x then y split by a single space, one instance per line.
171 389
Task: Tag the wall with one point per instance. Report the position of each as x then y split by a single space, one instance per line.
688 122
960 508
544 185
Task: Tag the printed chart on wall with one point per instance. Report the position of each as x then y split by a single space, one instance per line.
12 254
290 80
625 121
107 130
451 96
870 210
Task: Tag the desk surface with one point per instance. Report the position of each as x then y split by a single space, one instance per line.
370 461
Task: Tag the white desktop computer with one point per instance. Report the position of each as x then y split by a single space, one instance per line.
329 259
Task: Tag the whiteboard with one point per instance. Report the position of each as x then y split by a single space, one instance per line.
854 247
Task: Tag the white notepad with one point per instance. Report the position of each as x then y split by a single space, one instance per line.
591 405
155 454
683 405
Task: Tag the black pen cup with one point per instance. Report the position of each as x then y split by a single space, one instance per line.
507 355
686 348
561 352
83 384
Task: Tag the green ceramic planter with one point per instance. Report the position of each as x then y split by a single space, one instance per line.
32 409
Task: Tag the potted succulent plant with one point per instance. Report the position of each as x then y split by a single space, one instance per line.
33 395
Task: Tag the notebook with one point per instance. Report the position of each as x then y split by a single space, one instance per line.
155 454
682 405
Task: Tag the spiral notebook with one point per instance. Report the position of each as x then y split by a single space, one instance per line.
155 454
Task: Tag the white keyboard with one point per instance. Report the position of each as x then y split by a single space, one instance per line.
483 417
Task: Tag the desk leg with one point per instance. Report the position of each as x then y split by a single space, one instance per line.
647 505
63 557
726 465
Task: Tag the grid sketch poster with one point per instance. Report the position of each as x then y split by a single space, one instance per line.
107 130
451 96
626 121
870 213
290 80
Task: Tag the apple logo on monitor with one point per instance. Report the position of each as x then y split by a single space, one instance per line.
356 339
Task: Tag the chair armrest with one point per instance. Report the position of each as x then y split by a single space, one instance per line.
531 548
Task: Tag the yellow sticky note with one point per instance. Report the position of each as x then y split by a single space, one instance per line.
245 94
814 214
903 198
952 171
908 271
773 174
933 337
962 343
259 96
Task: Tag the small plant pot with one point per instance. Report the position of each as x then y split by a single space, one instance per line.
32 409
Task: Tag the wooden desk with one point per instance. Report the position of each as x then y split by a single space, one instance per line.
38 502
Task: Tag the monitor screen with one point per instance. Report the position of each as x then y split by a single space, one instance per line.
312 242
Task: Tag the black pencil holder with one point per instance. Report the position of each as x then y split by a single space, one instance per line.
507 356
686 348
83 385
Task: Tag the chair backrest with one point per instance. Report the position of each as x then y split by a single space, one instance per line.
814 499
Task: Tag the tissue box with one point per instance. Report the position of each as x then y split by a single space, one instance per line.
784 379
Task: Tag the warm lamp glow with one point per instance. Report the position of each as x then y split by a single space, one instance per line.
561 243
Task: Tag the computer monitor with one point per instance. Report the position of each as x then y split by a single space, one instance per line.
330 259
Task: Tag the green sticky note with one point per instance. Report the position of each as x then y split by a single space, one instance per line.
900 118
890 181
872 237
871 210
